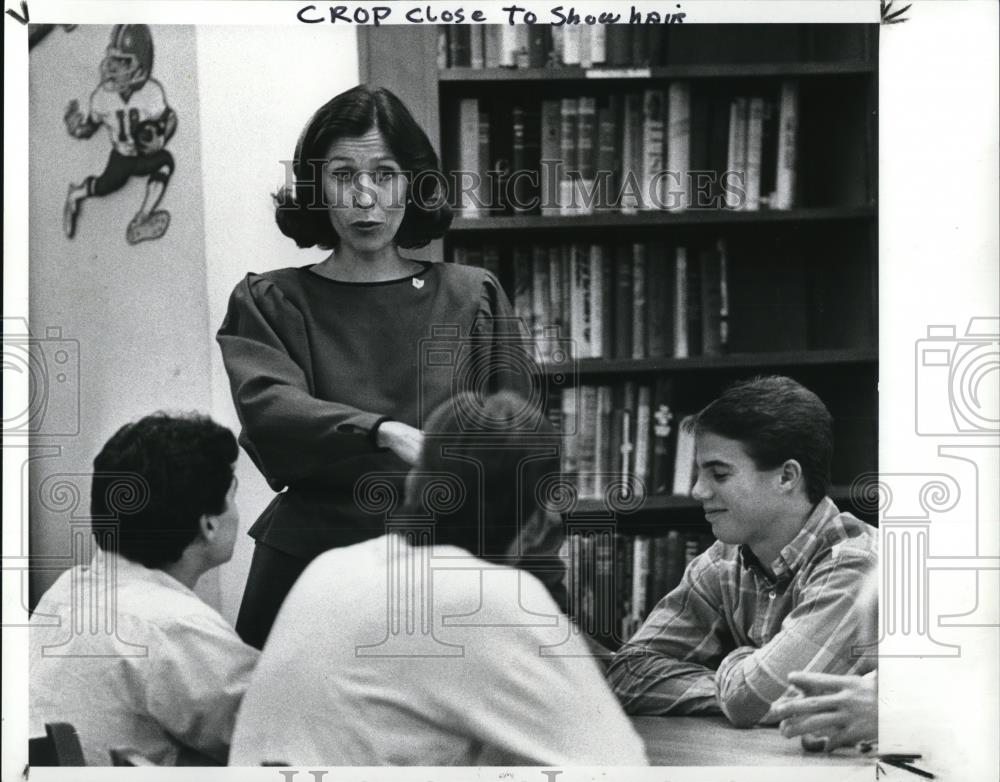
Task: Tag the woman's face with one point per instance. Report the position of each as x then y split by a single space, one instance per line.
365 191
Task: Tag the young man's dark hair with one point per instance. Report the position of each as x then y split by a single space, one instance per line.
157 477
776 419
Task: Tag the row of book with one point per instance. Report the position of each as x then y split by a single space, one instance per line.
616 46
655 149
630 300
613 434
613 580
544 46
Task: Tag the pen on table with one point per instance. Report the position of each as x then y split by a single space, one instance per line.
903 761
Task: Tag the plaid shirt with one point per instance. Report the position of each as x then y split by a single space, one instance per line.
729 635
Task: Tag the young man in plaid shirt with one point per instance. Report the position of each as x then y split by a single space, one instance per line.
778 592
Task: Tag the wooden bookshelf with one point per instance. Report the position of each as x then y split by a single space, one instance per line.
752 361
475 76
644 220
804 280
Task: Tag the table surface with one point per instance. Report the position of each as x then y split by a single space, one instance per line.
712 741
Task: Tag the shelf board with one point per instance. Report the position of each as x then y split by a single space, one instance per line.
795 358
668 503
696 71
657 219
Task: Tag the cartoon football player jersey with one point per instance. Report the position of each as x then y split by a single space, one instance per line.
122 117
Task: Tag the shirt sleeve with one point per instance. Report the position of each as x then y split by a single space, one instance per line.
289 433
200 670
668 666
504 343
822 633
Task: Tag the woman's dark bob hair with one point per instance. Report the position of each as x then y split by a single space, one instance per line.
301 213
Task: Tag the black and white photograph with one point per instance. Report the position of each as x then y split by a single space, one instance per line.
449 390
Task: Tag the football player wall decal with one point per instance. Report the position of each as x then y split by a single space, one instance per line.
133 107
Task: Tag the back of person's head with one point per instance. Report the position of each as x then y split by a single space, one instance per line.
479 442
174 470
301 212
776 419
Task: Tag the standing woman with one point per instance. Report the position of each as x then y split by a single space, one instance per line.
326 360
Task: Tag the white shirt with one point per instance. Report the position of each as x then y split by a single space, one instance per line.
120 117
153 668
487 693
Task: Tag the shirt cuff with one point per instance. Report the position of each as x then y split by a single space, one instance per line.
373 432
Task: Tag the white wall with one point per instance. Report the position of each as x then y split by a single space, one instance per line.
258 88
145 316
138 313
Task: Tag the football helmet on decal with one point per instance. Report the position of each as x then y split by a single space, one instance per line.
129 59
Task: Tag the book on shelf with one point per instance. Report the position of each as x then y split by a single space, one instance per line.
684 466
736 160
623 301
609 151
628 432
572 44
570 408
643 432
595 297
477 47
473 127
442 49
551 151
603 457
680 302
569 117
598 45
640 582
460 46
558 300
586 155
678 157
769 154
714 300
586 478
618 46
580 313
539 46
522 193
508 46
492 45
639 302
653 129
788 128
632 154
754 153
664 438
541 303
656 44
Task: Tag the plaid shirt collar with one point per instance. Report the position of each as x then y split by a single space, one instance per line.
801 549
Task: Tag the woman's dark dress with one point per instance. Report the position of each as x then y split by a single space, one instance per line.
315 365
